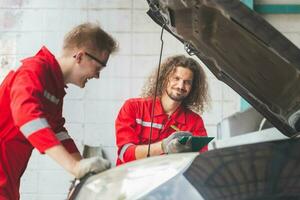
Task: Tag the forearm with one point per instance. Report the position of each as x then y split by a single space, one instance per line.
73 164
64 158
141 151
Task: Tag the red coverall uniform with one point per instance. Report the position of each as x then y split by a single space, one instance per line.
133 125
31 102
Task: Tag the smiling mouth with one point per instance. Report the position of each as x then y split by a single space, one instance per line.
178 91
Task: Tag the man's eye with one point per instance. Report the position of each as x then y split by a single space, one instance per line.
188 82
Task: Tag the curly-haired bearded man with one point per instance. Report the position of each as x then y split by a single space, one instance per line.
182 91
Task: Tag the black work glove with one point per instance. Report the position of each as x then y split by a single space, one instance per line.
171 144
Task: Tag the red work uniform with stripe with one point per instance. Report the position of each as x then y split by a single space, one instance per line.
31 100
133 125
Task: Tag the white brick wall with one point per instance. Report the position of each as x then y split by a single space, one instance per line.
90 113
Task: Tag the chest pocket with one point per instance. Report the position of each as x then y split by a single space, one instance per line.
145 130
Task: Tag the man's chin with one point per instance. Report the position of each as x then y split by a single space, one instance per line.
177 98
82 85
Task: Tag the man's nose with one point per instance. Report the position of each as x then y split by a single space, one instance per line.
181 84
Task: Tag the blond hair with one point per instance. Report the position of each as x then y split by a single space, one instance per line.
90 36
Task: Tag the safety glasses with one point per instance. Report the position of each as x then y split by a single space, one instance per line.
103 64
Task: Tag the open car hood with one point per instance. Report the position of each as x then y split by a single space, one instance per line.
241 49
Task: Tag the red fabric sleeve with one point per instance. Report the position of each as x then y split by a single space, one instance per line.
125 130
129 154
26 94
69 144
43 140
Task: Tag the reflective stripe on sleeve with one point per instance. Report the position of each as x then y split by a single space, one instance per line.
51 97
122 152
148 124
33 126
62 136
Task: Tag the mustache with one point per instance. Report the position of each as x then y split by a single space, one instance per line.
180 90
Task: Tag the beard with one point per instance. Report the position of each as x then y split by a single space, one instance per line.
179 97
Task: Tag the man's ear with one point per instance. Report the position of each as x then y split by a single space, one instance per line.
78 56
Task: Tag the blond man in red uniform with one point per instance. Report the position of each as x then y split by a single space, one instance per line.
31 100
182 89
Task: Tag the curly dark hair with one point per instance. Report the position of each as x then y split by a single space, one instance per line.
198 98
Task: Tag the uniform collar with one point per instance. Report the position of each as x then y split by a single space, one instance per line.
158 109
58 75
179 115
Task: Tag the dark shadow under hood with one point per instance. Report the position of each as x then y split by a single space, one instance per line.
241 49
